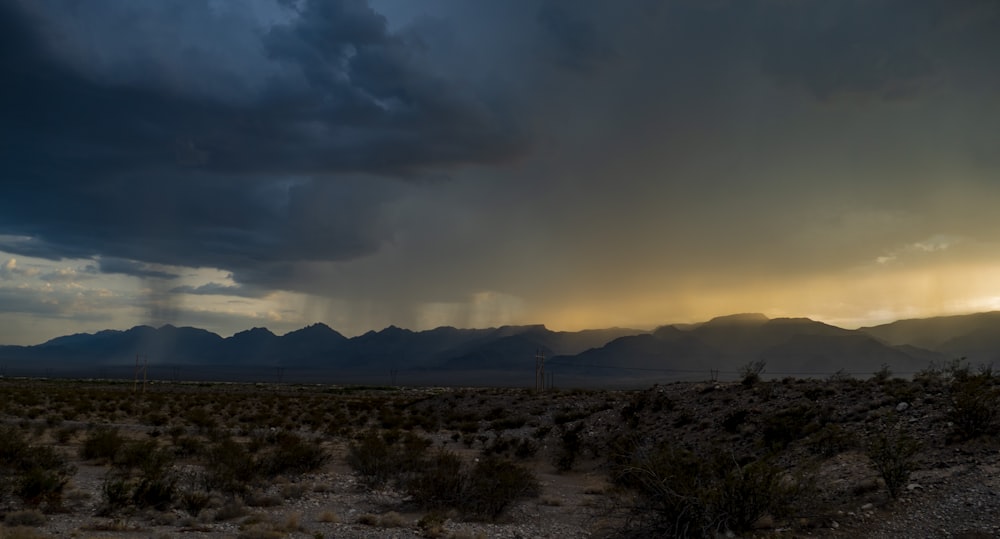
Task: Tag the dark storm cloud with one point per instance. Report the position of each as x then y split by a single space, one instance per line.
885 48
113 161
189 138
573 40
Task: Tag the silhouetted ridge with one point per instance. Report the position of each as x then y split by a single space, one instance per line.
506 354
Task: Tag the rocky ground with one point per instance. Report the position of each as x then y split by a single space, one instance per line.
817 432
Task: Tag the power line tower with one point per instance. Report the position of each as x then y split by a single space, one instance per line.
138 369
539 370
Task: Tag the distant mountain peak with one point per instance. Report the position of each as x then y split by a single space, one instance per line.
394 330
317 330
739 319
255 332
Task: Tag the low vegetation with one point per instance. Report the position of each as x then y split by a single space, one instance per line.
685 460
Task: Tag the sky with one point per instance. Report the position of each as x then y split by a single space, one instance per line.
229 164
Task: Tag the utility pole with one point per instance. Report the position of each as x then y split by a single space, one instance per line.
539 370
144 368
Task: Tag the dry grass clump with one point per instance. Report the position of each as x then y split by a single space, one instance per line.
391 519
27 517
329 517
21 532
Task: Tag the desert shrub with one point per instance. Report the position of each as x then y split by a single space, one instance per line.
188 446
65 434
372 458
291 453
734 420
194 501
569 416
39 485
677 493
750 373
35 474
432 524
569 449
378 457
831 440
231 509
891 452
439 482
631 411
229 467
745 494
498 446
789 425
115 495
882 375
841 376
903 390
200 418
665 484
541 432
142 477
101 443
506 423
493 484
975 399
931 375
525 449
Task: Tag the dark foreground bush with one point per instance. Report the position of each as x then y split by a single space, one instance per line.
891 452
439 483
142 477
35 474
234 468
229 467
673 492
102 443
378 457
975 400
441 480
493 484
289 453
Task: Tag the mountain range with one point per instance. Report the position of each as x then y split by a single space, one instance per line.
720 347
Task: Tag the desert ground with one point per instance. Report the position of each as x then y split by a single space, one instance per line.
840 457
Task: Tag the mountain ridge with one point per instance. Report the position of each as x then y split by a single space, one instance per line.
799 346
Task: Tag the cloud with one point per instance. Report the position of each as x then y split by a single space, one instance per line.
65 275
59 300
933 249
218 289
833 49
133 268
10 270
126 154
395 168
574 41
